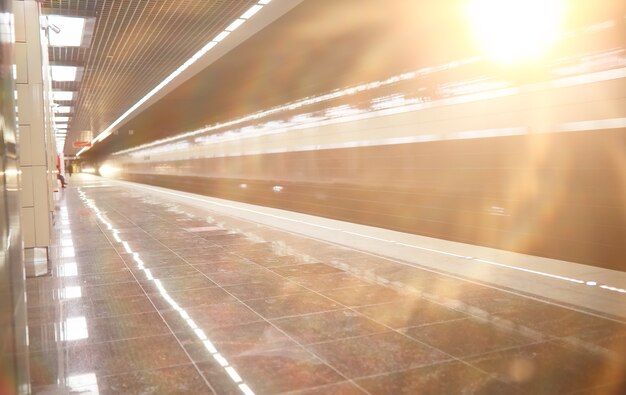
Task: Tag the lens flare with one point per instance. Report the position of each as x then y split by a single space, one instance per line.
516 30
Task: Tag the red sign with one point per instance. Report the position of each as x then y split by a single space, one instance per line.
81 144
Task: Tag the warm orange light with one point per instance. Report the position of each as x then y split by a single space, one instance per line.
516 30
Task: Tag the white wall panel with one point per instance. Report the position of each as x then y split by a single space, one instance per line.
26 146
27 192
42 215
21 63
28 227
20 26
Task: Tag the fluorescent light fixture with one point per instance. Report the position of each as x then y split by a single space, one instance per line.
71 31
63 109
64 73
60 125
235 25
62 95
61 119
253 10
221 36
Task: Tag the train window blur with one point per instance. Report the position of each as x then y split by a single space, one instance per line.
509 85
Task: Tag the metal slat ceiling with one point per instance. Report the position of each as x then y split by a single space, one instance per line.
135 44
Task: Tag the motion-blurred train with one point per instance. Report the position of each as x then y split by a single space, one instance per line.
531 160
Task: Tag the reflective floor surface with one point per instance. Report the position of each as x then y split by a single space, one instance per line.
148 296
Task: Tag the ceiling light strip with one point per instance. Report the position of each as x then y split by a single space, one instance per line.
231 27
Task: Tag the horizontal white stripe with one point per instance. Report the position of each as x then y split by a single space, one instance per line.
596 124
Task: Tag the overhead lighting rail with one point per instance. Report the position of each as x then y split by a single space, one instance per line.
216 40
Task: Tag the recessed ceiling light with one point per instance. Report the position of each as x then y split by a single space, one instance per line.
64 73
235 25
61 119
71 31
63 109
60 125
221 36
251 11
62 95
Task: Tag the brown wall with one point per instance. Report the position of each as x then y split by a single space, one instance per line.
558 195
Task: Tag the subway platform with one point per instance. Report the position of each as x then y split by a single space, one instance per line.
162 292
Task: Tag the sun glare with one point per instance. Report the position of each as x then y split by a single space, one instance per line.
516 30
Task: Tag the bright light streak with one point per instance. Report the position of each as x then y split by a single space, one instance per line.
221 36
514 30
250 13
235 24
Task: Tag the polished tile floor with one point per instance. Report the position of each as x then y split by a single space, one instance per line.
147 296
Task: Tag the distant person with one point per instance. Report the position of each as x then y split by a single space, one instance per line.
60 177
70 170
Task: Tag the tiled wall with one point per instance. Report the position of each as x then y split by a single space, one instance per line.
36 149
13 355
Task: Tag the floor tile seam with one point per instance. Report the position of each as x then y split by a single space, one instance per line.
504 349
87 274
167 324
126 372
340 308
88 263
160 266
366 279
391 330
521 294
262 297
253 266
97 285
528 332
182 290
87 299
471 312
92 286
285 334
468 360
261 320
133 371
332 367
434 364
356 337
108 317
433 323
79 276
85 344
574 344
356 312
316 388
